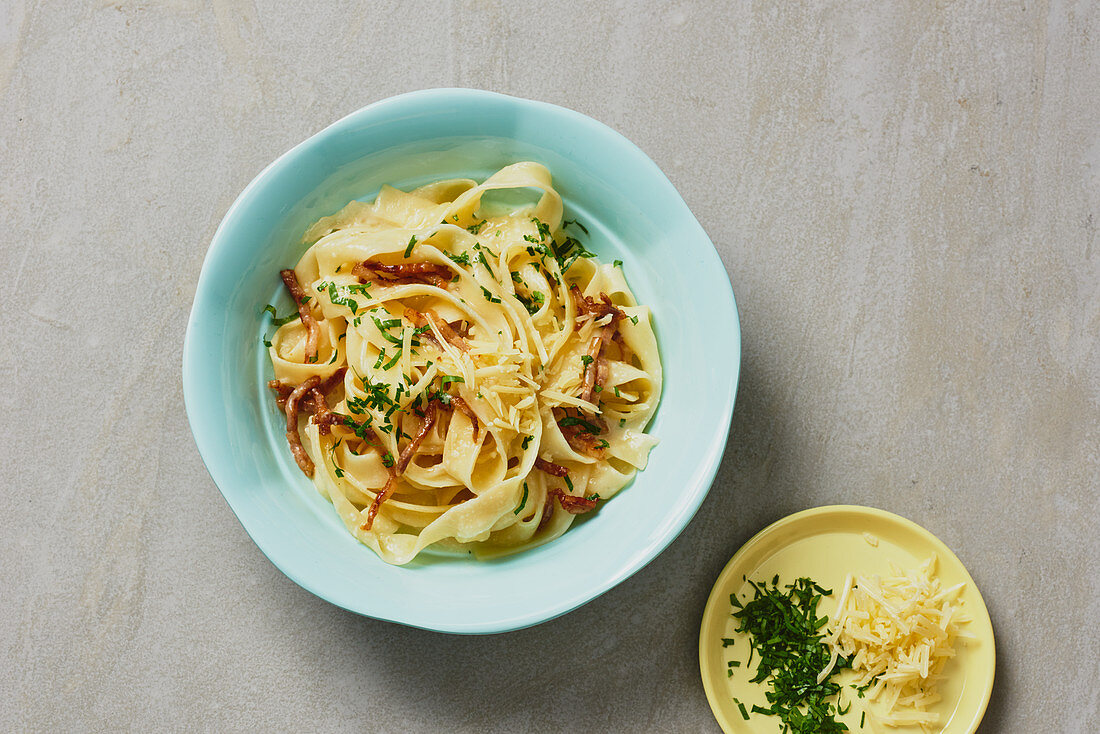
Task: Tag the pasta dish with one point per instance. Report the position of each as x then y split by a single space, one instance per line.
462 372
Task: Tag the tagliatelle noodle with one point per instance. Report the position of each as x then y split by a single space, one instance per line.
453 317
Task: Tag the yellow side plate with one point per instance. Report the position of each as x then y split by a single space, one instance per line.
825 544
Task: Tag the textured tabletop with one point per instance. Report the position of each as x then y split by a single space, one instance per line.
907 203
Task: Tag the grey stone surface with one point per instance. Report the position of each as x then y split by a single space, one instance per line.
906 196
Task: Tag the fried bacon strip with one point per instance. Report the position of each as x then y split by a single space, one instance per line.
581 438
448 333
292 436
571 504
425 428
598 309
420 318
313 330
463 406
592 368
556 470
403 273
314 402
382 496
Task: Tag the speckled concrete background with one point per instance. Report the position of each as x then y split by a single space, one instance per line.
907 203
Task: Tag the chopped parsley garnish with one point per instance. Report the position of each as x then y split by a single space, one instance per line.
481 257
586 359
409 249
463 259
523 501
387 460
568 222
475 228
526 442
393 361
585 426
277 319
784 628
532 303
489 296
618 263
335 296
384 326
448 379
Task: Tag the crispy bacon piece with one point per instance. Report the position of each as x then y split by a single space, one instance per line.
550 468
282 392
571 504
292 436
547 511
463 406
598 309
425 428
448 333
314 402
387 490
592 368
313 330
579 435
403 273
420 318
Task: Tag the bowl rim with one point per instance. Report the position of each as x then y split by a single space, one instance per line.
192 364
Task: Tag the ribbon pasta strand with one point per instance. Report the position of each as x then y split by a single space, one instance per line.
476 378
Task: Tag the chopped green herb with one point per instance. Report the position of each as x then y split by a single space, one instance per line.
586 359
392 362
618 263
741 706
489 296
279 320
448 379
387 460
526 442
409 249
784 628
568 483
463 259
585 426
475 228
568 222
523 501
481 257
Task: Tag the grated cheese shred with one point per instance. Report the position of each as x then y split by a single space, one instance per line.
899 631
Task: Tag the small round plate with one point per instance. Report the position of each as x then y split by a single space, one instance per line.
825 544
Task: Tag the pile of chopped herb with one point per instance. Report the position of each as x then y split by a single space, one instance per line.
784 630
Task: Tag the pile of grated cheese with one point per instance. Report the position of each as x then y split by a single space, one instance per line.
899 632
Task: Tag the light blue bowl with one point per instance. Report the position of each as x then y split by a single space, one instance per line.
634 214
